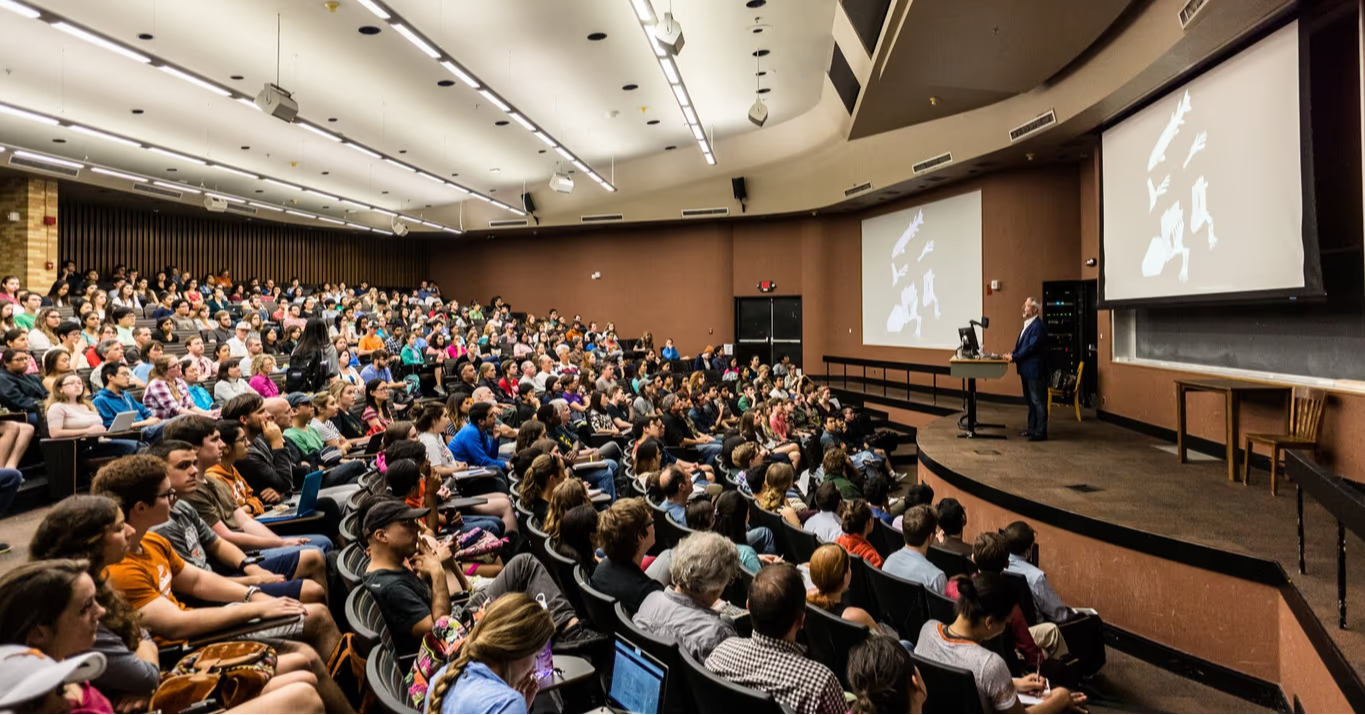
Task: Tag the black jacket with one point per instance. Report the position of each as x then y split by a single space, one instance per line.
22 393
266 468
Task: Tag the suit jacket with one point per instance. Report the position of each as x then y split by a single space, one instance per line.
1030 351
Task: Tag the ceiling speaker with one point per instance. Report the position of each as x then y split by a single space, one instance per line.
528 203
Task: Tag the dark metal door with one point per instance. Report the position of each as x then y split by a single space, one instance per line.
769 328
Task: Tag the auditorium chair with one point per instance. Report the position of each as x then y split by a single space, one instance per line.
737 593
941 608
885 539
362 613
349 531
801 544
830 638
950 689
759 516
1305 422
859 592
950 562
537 539
665 650
351 565
902 603
715 694
599 607
666 534
1024 595
562 569
385 678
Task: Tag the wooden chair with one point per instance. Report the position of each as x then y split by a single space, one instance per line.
1061 393
1305 422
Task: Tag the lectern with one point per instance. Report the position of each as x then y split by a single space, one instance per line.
971 370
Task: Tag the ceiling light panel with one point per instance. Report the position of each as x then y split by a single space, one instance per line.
99 41
644 11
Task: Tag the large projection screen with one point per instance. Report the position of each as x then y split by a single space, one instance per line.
922 273
1203 190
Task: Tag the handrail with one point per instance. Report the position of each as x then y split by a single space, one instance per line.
1342 499
932 370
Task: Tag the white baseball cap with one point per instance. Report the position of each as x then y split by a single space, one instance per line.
26 673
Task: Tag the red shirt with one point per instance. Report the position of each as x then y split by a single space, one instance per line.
1023 640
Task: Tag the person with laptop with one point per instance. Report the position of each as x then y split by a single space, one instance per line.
268 463
703 564
496 669
114 400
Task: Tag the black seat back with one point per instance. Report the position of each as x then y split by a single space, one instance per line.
950 562
537 539
801 544
381 671
562 569
599 607
773 521
900 602
859 591
1024 594
885 539
941 608
665 650
737 593
351 565
666 533
714 694
362 613
951 689
830 638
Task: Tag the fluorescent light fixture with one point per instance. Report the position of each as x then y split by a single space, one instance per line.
643 10
363 150
292 212
315 192
582 167
482 198
356 204
329 219
545 138
522 121
24 10
101 135
177 187
237 172
705 147
324 134
283 185
418 42
425 175
690 115
228 199
680 92
380 230
654 42
494 99
460 74
118 174
195 81
23 114
430 224
98 41
173 155
249 103
457 187
697 132
267 207
386 212
607 186
400 165
375 8
455 231
670 71
564 153
709 159
356 225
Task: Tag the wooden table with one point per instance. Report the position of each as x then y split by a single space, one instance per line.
1232 391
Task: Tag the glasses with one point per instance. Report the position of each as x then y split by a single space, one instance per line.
169 495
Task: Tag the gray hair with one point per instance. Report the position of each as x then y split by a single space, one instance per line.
666 404
483 394
103 347
704 562
560 404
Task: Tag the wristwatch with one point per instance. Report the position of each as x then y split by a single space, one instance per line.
250 591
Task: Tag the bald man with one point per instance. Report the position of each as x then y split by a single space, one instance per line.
1030 359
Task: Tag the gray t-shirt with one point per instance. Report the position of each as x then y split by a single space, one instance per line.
697 630
642 406
993 681
188 534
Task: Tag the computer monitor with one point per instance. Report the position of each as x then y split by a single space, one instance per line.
637 681
967 337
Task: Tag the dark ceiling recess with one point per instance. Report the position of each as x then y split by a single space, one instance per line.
765 90
238 77
630 87
445 83
755 3
137 111
145 36
760 53
597 36
843 79
670 148
867 17
652 122
502 122
369 30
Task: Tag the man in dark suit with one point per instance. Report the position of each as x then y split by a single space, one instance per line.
1030 359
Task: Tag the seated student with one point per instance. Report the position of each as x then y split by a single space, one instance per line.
217 498
151 575
268 466
675 490
403 477
578 537
775 496
309 447
983 609
883 678
830 574
544 475
20 391
1035 643
496 516
836 467
732 521
115 398
475 444
167 394
347 423
912 562
625 532
230 383
678 433
827 523
703 564
495 671
857 526
569 494
1019 538
877 492
38 683
770 661
917 494
952 519
415 597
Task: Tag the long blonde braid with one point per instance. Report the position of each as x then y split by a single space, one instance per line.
513 627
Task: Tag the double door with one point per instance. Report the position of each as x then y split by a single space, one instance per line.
769 328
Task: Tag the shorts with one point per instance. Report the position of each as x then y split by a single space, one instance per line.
289 631
284 564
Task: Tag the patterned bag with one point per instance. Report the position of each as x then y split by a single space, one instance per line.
232 673
438 647
476 545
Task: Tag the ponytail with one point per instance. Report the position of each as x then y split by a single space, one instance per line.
513 627
879 673
985 595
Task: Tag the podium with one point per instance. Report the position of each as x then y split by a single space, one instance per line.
971 370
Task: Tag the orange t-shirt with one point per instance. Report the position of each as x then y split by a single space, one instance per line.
858 546
241 491
371 342
145 577
418 499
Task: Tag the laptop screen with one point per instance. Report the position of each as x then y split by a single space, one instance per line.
637 683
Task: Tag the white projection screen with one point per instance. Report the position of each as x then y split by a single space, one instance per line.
1203 190
922 273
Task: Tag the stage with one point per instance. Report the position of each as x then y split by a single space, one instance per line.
1172 553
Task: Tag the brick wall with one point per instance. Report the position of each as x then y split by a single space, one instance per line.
27 245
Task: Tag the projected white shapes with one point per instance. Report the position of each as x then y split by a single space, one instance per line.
1195 148
1171 244
929 297
898 273
1155 191
1168 134
908 234
1199 210
928 246
907 311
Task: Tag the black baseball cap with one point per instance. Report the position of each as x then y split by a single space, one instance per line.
388 512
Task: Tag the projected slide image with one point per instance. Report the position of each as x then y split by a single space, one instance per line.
1170 245
922 273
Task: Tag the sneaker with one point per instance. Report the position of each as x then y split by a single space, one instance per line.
4 548
440 391
578 638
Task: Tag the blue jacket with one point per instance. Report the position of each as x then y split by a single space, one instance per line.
109 405
1030 352
472 446
669 353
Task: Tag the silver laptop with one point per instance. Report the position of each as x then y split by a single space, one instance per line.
123 422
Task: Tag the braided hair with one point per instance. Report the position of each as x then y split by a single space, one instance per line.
513 627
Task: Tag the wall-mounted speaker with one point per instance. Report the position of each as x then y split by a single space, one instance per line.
737 184
528 203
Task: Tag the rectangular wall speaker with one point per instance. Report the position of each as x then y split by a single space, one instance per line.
528 203
737 184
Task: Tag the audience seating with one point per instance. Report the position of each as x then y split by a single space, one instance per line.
952 564
362 613
830 638
859 591
900 602
715 694
599 608
537 538
386 680
1024 595
562 569
677 699
759 516
951 689
940 607
801 544
666 532
351 564
885 539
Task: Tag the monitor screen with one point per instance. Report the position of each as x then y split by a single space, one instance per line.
637 681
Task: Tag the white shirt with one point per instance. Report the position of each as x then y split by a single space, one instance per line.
237 346
827 525
1027 322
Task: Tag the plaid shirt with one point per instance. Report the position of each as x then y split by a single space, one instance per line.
778 668
394 346
158 398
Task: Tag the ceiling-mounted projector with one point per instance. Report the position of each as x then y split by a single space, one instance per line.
399 228
277 102
758 114
563 183
215 204
669 34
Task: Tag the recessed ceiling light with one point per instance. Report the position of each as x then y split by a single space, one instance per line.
58 141
369 30
145 36
755 3
246 148
172 170
402 151
761 53
631 87
765 90
384 193
446 83
761 73
325 173
453 175
670 148
757 30
597 36
237 77
331 119
502 122
542 151
137 111
652 122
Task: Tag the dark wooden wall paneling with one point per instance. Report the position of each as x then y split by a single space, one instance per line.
101 236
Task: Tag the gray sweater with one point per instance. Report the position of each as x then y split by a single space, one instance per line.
124 672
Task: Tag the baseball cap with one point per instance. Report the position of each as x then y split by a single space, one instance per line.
297 398
244 325
388 512
26 673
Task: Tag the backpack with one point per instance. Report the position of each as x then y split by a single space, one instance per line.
306 373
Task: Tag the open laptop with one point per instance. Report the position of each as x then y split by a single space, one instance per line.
637 681
123 421
308 498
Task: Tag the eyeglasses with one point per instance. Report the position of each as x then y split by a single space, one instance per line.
169 495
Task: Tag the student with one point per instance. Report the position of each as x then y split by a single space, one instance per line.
626 533
830 574
114 398
952 519
1034 643
827 523
912 562
1020 537
857 526
883 678
983 609
702 566
495 671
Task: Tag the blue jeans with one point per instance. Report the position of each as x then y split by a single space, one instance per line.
10 479
708 452
761 538
1035 394
491 524
603 478
315 541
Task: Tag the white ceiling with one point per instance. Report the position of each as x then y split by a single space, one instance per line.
384 92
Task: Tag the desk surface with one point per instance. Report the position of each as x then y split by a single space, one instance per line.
1226 385
975 361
